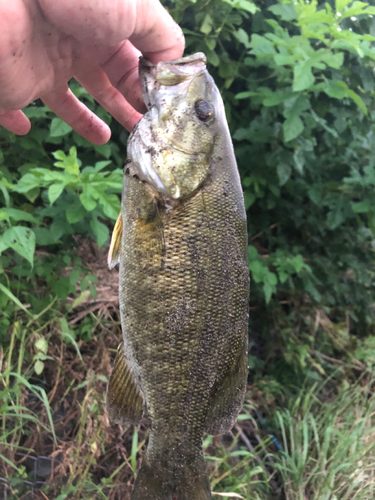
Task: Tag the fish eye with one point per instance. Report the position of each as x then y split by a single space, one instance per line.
203 110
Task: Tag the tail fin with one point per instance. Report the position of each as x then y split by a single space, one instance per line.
174 479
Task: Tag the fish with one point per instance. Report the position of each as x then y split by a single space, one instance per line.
181 241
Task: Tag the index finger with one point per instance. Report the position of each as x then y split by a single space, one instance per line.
155 33
145 22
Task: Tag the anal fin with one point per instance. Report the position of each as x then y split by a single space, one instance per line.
227 398
124 399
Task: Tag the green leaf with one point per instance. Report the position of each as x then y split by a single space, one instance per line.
293 126
286 11
17 215
242 37
245 95
284 171
80 299
268 291
111 205
42 345
242 4
213 58
302 76
37 111
87 199
249 199
104 149
101 231
10 295
27 182
39 366
207 24
363 206
54 191
99 165
334 60
59 128
339 89
21 240
75 212
59 155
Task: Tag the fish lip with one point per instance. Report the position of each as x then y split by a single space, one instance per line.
151 75
145 65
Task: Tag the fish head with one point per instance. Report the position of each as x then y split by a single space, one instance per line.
171 146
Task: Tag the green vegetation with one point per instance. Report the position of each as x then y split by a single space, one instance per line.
298 82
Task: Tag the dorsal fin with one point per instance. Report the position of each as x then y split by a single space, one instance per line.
115 248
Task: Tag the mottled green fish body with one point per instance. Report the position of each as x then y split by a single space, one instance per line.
184 280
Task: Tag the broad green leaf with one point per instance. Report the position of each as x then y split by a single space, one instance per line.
242 37
284 59
59 128
211 42
111 205
101 231
261 46
358 100
59 155
363 206
339 89
207 24
76 212
334 60
286 11
54 191
27 182
42 345
37 111
99 165
213 58
104 149
17 215
302 76
323 123
22 240
336 88
39 366
87 199
249 199
242 4
293 126
284 171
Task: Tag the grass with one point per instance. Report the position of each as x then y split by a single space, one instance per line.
329 445
319 443
327 436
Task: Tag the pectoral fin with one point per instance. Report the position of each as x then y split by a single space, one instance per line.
124 399
115 248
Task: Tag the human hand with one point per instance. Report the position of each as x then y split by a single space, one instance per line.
44 43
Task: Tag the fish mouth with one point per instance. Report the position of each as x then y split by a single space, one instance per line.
168 74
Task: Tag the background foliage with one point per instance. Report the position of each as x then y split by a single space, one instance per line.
297 78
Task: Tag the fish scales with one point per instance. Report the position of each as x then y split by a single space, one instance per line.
184 287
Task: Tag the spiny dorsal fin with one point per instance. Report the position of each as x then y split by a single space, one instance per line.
115 248
124 399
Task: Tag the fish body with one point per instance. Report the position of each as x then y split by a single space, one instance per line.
184 280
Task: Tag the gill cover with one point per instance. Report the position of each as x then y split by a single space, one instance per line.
170 148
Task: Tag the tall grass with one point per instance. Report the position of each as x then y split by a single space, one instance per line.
329 445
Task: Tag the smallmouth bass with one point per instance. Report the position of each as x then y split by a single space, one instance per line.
181 240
